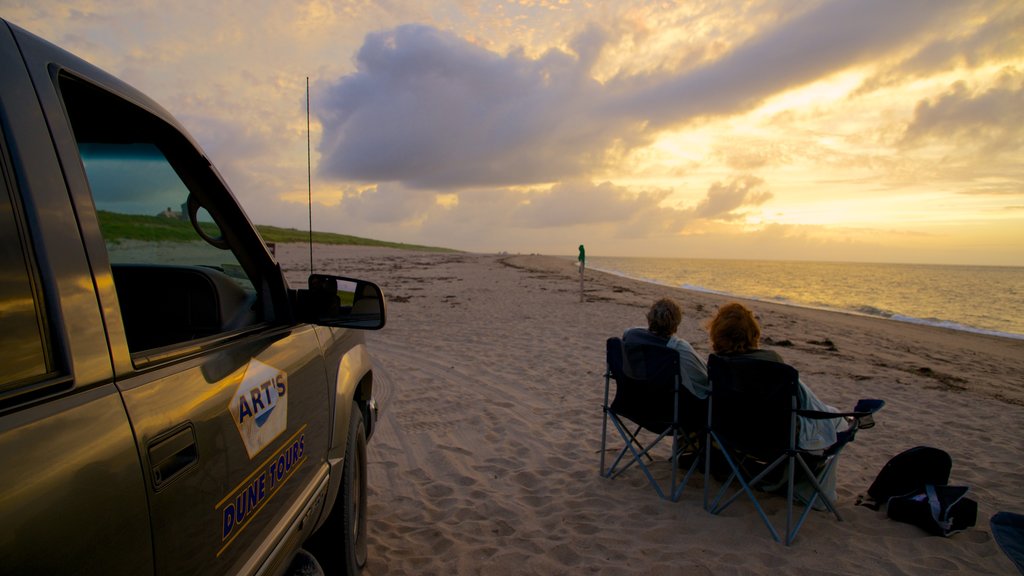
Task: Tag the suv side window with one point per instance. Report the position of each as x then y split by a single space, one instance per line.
178 277
24 344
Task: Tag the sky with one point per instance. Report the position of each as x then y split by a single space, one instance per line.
835 130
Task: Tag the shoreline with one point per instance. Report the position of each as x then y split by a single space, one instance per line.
878 313
930 336
894 317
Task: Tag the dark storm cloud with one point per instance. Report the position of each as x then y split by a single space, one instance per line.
434 111
431 110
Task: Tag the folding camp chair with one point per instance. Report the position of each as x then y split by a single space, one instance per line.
1008 532
752 420
650 400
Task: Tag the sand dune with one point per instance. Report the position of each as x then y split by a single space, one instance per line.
489 376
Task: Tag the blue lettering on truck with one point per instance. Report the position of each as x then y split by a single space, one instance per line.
239 507
262 400
259 406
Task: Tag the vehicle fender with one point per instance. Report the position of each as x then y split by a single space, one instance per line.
353 366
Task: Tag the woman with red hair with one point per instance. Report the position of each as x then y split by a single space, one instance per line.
734 331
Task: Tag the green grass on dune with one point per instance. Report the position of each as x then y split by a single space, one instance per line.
118 227
284 235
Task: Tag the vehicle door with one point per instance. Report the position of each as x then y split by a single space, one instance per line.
73 497
226 395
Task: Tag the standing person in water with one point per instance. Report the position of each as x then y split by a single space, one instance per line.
583 263
663 319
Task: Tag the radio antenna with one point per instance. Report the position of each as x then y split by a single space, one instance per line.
309 181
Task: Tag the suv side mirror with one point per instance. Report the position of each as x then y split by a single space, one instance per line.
343 302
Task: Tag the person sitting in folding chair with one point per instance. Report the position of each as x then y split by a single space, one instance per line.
764 420
663 319
734 331
661 387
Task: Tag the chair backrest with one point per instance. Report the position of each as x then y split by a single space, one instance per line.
647 379
752 403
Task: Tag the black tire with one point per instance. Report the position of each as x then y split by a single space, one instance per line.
340 544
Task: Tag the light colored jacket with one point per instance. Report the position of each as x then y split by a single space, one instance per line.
694 369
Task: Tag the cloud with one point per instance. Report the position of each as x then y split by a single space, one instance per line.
432 110
991 119
812 45
724 200
564 205
508 217
978 42
435 111
387 204
577 203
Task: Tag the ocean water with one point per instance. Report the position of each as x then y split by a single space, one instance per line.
985 299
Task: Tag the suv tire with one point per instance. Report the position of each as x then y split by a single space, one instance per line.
347 520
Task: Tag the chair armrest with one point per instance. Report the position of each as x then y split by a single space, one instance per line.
816 415
869 405
863 408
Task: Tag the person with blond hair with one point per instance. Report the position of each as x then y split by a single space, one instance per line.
663 319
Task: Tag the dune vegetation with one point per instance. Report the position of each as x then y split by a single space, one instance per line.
117 227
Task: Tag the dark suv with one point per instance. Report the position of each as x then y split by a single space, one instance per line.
166 407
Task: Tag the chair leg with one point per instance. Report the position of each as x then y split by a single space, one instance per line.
612 472
607 472
817 482
707 468
604 411
604 437
674 462
737 474
698 458
631 445
640 452
818 491
790 483
716 508
635 438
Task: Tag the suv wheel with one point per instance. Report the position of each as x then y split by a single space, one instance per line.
347 521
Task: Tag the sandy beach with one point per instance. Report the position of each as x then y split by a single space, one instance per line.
489 376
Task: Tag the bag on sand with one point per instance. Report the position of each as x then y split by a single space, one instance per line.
940 510
909 472
913 486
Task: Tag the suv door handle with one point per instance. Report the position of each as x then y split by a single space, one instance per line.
172 454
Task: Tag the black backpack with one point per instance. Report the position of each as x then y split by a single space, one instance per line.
909 472
940 510
913 486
